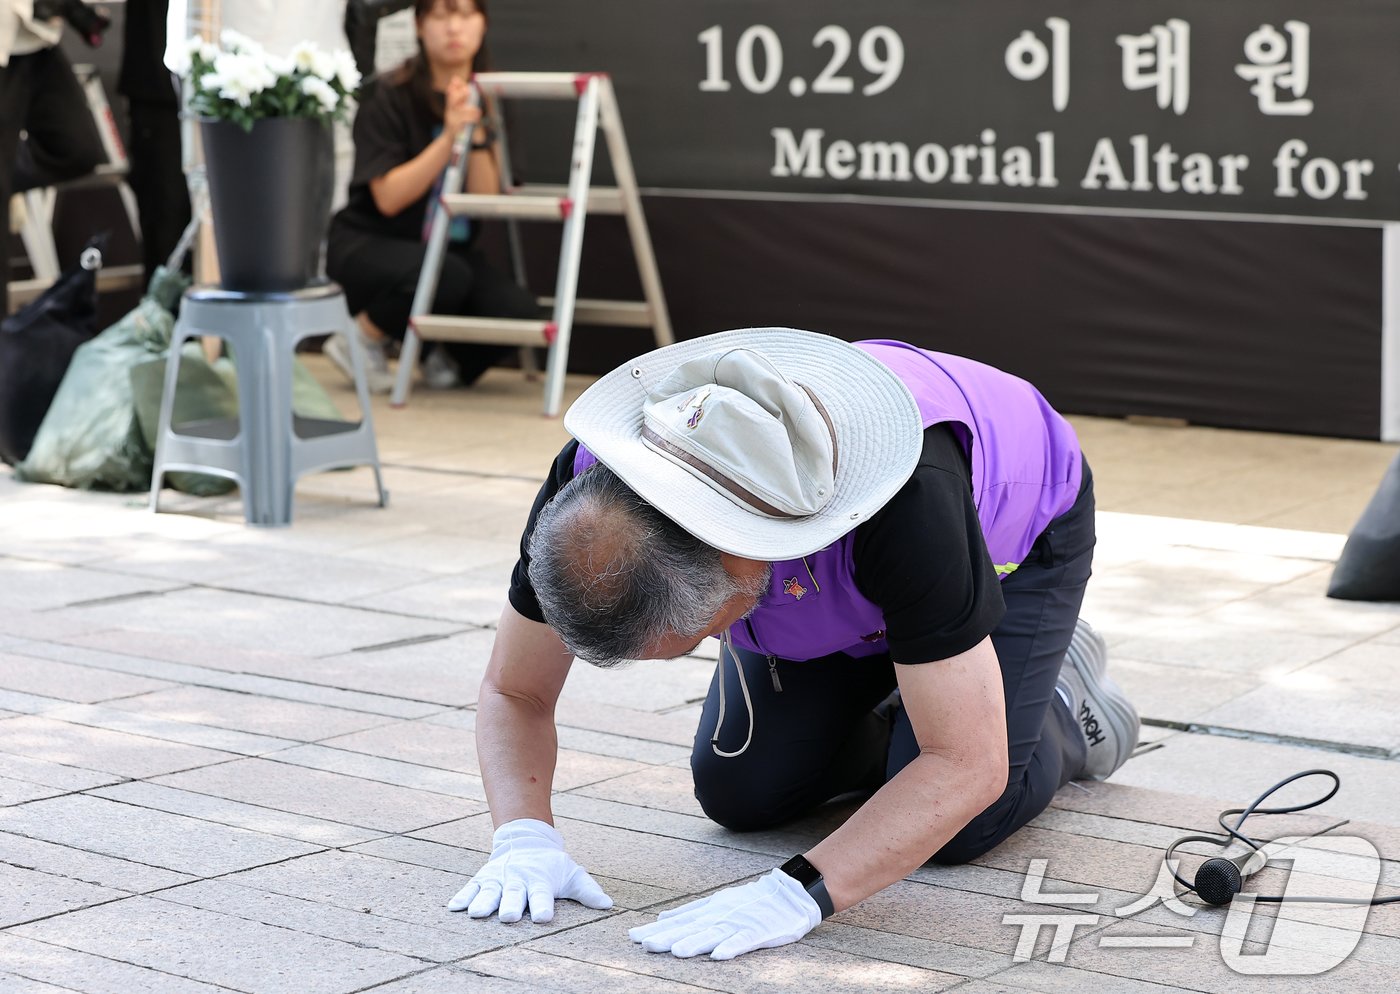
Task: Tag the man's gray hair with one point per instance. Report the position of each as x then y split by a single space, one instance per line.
614 576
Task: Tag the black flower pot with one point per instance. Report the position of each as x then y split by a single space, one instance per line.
270 194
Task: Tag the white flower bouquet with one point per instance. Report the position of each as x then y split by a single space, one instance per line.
242 82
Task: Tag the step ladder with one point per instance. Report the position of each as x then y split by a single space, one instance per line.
571 204
36 232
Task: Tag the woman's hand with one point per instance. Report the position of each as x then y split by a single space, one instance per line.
459 112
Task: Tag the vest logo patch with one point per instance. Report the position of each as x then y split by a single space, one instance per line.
791 586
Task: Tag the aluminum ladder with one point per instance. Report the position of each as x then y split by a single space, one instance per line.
571 204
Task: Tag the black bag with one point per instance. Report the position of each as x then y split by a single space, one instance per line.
37 343
1369 567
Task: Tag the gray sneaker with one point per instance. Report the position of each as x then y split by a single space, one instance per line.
377 376
439 371
1106 717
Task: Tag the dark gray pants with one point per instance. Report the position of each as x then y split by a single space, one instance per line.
818 738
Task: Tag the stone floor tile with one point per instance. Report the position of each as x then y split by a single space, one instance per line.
1308 610
668 788
292 720
430 744
132 720
668 863
1059 978
444 671
1213 645
14 984
1190 812
795 837
626 894
71 970
85 866
880 944
20 791
265 623
1201 967
1174 692
202 561
1159 835
41 586
401 892
318 794
327 579
645 685
1076 859
27 895
189 650
436 552
308 680
473 597
596 717
49 678
797 967
363 927
99 749
22 703
1372 666
235 814
1235 771
535 970
1309 707
387 771
453 980
635 739
186 845
970 919
247 956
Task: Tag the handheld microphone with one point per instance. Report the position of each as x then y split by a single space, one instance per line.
1218 880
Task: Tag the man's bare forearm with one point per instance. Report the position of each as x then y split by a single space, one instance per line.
516 746
904 823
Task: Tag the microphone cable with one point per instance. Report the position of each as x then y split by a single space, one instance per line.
1224 881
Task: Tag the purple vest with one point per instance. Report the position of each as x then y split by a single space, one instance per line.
1025 471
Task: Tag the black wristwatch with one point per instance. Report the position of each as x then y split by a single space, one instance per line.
811 880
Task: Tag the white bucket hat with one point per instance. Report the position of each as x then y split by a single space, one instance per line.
767 443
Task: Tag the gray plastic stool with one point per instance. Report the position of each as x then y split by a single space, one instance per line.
269 448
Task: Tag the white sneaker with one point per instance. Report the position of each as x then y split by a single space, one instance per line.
1106 717
377 376
439 371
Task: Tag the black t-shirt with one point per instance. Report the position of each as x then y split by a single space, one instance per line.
921 558
392 126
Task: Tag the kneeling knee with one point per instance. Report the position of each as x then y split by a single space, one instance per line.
728 805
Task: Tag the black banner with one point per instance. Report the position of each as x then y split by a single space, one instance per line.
1250 106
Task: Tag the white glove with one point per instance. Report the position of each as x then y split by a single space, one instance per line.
527 863
771 911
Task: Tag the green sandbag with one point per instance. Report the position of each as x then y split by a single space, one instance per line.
309 398
200 395
90 437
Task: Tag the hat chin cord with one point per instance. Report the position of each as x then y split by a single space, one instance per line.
728 649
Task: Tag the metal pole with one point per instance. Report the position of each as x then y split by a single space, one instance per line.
571 248
636 221
432 263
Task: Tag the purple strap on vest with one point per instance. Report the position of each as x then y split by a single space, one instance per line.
1026 470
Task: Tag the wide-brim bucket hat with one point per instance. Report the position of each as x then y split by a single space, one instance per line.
767 443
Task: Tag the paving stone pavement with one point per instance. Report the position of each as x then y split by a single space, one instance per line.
240 759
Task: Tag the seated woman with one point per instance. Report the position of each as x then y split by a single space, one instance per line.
404 132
